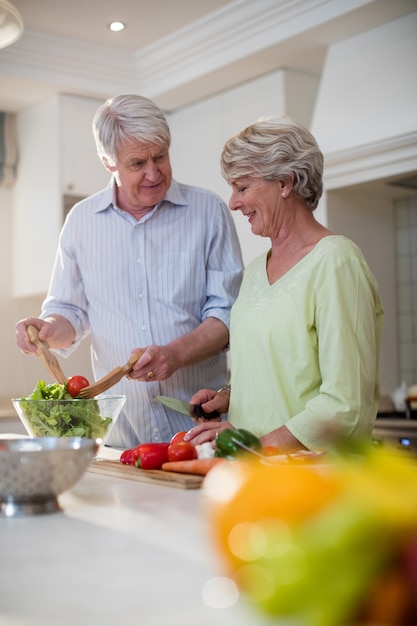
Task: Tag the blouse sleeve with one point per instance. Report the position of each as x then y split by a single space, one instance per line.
349 327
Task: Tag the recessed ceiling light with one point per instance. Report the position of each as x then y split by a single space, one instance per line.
116 26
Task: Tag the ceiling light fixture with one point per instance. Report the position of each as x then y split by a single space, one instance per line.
116 26
11 24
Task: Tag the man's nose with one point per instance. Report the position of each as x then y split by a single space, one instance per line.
151 170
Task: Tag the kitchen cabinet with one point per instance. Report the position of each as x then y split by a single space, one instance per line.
57 157
82 172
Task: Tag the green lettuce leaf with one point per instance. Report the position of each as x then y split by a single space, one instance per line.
66 418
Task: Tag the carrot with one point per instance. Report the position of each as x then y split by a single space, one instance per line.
194 466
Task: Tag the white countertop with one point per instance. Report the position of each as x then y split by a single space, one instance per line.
120 552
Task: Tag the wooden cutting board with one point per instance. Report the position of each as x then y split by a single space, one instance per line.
160 477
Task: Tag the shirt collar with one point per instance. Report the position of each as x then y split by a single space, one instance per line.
174 195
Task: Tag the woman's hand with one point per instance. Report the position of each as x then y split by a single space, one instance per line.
206 431
210 400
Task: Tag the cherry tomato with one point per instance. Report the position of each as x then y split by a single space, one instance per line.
75 384
126 457
178 436
270 451
182 451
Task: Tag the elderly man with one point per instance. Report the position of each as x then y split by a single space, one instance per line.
146 264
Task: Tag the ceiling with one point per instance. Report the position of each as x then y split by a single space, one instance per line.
173 51
87 20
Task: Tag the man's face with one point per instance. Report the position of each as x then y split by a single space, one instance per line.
143 175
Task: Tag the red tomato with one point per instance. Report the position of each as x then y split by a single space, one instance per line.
75 384
270 451
182 451
178 436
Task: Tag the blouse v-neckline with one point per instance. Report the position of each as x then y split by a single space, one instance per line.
293 267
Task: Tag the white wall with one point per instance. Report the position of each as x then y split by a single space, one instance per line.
19 373
6 315
6 218
406 281
368 89
31 216
57 155
200 131
38 188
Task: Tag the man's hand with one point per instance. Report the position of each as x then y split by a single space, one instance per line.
56 331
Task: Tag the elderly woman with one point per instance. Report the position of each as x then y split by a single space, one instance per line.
306 327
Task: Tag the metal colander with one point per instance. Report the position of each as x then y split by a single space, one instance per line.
33 472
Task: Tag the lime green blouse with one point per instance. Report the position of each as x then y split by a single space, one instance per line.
305 350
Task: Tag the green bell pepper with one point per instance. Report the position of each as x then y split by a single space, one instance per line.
226 447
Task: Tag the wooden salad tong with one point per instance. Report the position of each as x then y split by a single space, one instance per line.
48 359
109 379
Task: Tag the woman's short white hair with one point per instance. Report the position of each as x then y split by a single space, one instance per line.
276 148
128 117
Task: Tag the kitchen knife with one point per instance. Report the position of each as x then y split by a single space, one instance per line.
185 408
246 448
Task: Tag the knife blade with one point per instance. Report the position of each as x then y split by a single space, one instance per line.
185 408
242 446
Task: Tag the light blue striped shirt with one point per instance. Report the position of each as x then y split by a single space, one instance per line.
132 283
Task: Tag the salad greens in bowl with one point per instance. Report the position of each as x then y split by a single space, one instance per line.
50 411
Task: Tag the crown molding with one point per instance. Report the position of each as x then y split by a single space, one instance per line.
70 63
234 33
380 159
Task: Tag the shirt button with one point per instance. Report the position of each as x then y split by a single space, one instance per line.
143 327
140 295
138 260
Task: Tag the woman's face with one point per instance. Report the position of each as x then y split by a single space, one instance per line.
260 201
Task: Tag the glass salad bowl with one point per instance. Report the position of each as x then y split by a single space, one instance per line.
86 418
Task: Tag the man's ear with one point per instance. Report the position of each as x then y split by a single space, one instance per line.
107 165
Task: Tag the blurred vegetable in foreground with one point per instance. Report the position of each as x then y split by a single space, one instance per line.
329 545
